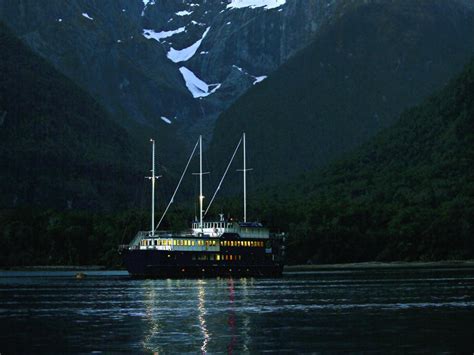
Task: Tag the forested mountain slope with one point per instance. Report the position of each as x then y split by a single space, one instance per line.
58 146
408 194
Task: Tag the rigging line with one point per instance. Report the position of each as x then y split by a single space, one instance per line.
223 177
179 183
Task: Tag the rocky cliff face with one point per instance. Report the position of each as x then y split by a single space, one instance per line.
162 63
374 60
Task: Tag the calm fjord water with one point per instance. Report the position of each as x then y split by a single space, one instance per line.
360 311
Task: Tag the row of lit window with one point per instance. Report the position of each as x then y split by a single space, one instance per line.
207 243
178 242
213 225
161 242
217 257
241 243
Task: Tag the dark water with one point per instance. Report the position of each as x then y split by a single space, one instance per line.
428 311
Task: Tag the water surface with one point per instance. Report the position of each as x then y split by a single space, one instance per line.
359 311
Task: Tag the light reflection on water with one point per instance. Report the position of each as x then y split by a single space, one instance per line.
152 305
201 316
409 310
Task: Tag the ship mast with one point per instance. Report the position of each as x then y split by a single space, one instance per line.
201 197
153 177
244 170
245 181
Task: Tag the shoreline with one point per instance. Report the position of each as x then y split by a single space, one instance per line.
371 265
58 268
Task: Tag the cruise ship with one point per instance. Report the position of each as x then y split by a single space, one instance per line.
222 247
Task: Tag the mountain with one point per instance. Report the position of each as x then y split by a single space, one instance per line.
371 61
408 194
166 69
59 148
157 64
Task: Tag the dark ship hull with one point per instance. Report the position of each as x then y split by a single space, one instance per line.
157 264
188 256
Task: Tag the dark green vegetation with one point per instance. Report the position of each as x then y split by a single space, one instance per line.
58 146
34 237
355 79
406 195
31 237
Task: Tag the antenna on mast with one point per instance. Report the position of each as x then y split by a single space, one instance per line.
244 170
153 177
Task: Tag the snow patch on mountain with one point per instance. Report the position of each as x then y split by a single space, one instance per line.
198 23
185 54
256 79
259 79
86 15
157 36
167 120
145 5
266 4
184 13
196 86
